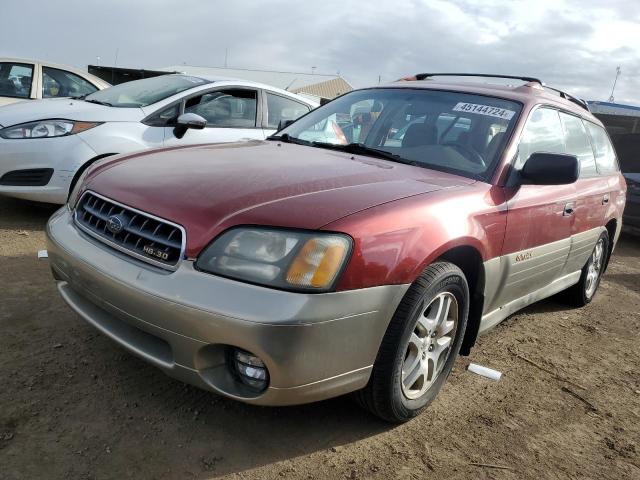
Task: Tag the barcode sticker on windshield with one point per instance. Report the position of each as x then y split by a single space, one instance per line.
484 110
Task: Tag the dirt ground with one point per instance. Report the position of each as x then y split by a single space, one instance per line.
74 405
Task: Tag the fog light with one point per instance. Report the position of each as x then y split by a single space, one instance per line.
251 370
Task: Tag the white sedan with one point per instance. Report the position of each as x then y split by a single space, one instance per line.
22 79
46 145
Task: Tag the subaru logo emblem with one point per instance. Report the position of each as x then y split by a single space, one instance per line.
115 224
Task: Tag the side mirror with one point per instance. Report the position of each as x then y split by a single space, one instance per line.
187 121
550 169
284 124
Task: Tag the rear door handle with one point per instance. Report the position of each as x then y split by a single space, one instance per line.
605 199
568 209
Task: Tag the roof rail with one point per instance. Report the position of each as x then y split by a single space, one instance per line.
565 95
424 76
571 98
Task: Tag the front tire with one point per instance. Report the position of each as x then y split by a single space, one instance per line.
583 292
420 345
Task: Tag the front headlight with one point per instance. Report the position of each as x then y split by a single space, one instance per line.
278 258
46 129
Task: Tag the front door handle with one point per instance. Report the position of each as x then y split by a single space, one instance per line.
568 209
605 199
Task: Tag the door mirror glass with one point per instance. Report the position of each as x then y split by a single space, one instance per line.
550 169
187 121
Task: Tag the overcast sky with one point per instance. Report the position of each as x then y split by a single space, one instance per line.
570 44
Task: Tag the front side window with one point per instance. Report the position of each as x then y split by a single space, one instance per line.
281 108
543 133
15 80
60 83
447 131
578 144
605 154
142 93
225 108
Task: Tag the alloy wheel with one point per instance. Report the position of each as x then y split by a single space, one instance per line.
429 345
594 269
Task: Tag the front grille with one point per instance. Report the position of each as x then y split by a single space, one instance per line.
139 234
34 177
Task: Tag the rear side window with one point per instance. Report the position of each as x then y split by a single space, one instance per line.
281 108
60 83
578 144
15 80
605 155
542 133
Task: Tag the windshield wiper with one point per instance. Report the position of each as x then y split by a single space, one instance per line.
361 149
98 102
286 138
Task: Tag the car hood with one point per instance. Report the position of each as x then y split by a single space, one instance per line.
65 108
210 188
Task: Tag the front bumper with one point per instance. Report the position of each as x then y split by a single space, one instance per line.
315 346
63 154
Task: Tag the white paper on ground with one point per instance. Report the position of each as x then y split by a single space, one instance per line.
43 254
484 371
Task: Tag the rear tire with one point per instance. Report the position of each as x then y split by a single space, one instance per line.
583 292
420 345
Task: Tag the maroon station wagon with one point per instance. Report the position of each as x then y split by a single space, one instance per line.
360 249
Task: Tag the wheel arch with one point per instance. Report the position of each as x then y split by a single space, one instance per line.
84 166
469 259
612 228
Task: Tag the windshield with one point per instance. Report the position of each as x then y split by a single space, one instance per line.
448 131
141 93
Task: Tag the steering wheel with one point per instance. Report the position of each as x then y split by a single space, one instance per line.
469 152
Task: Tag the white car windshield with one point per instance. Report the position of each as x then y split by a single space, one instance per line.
454 132
147 91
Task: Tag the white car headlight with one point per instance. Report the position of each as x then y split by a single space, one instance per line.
46 129
284 259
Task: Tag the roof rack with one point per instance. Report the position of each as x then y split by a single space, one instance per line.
424 76
565 95
571 98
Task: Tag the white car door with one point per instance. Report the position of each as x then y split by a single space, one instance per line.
232 114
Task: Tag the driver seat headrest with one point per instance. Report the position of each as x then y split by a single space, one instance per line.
420 134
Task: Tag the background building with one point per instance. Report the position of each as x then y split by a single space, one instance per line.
311 85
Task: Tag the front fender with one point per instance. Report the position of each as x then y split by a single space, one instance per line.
396 241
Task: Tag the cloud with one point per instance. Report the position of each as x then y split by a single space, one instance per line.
572 44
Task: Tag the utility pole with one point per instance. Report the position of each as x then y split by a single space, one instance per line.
115 63
614 84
